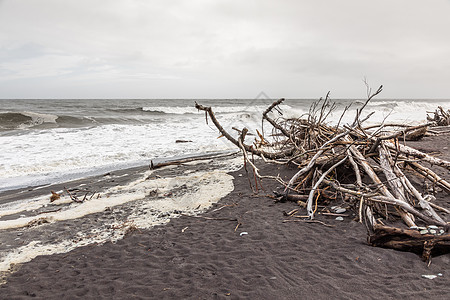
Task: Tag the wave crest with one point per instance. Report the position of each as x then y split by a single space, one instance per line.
22 120
27 120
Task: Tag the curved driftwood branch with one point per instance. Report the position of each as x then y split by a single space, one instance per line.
275 155
318 183
271 121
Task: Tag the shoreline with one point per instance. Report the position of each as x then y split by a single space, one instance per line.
85 177
131 198
206 257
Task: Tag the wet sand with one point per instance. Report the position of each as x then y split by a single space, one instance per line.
208 256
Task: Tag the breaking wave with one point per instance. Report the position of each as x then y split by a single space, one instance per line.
30 120
22 120
181 110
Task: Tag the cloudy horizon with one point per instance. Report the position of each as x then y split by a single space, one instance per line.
223 49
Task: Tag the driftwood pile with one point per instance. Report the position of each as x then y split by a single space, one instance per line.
440 117
367 167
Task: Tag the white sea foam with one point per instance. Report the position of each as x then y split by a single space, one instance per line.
120 195
53 155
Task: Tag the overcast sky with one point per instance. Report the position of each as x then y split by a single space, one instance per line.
223 48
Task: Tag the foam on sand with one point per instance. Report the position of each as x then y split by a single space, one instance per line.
151 200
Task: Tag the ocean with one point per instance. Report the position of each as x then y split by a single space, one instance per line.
45 141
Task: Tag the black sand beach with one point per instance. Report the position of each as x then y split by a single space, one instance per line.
206 257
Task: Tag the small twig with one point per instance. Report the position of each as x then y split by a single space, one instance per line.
72 197
237 226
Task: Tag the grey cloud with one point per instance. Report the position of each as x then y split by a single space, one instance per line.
221 48
24 51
